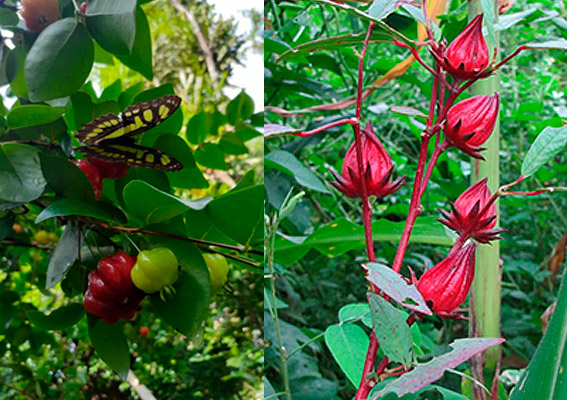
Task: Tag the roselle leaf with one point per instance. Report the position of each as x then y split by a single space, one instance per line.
396 287
424 374
271 130
380 9
286 162
558 44
408 111
391 329
546 146
489 18
348 344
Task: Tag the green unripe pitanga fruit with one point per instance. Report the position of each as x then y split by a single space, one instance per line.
155 269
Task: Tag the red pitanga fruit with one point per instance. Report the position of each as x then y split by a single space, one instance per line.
465 217
377 167
471 122
109 170
467 56
111 294
446 285
93 175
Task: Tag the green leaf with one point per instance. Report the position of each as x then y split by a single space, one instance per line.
232 144
21 179
398 289
204 124
190 176
6 223
15 71
239 109
153 177
424 374
59 61
110 344
237 213
558 44
391 329
187 310
543 378
355 312
64 255
32 115
112 24
348 344
65 178
268 302
8 17
61 318
380 9
71 206
157 206
489 18
546 146
288 163
111 92
140 59
210 155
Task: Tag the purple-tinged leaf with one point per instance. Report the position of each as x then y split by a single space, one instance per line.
391 329
278 130
408 111
559 44
424 374
396 287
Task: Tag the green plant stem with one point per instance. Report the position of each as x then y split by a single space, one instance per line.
487 282
304 345
270 243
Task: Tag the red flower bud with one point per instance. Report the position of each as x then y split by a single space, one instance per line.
377 166
465 219
446 285
467 56
471 122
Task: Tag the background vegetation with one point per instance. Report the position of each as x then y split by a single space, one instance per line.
314 282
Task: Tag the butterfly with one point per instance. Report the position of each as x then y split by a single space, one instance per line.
110 137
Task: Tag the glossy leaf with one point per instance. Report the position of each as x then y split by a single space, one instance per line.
112 24
187 310
72 206
61 318
348 344
356 312
380 9
21 179
288 163
398 289
391 329
15 71
424 374
6 223
546 146
210 155
59 61
32 115
239 109
190 176
64 255
544 377
157 206
238 214
140 59
203 125
66 178
110 345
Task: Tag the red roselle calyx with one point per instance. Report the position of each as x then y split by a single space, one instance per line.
377 167
471 122
467 56
446 285
466 218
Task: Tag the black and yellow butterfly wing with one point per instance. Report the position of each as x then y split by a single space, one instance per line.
129 153
110 137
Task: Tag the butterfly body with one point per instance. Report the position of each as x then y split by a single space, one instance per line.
110 137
